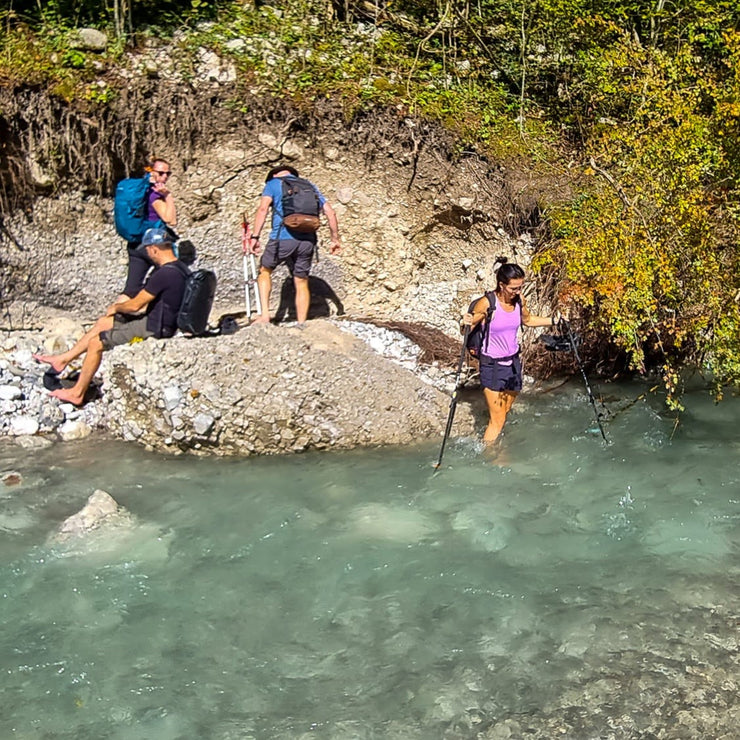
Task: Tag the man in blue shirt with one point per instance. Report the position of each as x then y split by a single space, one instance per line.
285 245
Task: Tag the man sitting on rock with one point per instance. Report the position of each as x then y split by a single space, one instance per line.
161 296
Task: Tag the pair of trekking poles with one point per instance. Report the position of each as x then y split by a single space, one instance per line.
566 332
249 265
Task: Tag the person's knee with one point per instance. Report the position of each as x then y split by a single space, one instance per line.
95 345
104 323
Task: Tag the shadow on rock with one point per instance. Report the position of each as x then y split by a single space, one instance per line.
322 296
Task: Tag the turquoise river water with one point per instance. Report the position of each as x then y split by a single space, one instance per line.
572 590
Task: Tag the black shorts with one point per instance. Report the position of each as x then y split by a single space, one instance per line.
501 377
125 328
296 255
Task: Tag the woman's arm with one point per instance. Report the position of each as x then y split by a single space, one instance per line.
165 206
478 314
532 321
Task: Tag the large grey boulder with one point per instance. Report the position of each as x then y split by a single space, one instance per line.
88 39
266 390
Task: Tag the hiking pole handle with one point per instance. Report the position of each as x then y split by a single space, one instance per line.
453 400
246 234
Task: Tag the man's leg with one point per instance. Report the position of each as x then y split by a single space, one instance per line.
300 267
60 361
302 298
264 285
90 365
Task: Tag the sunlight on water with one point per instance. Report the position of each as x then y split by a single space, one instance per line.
566 588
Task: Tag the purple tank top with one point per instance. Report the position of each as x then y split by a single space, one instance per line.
152 215
502 332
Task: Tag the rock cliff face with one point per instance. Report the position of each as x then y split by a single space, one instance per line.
420 233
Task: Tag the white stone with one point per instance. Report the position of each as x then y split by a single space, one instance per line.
33 443
235 44
172 397
291 150
10 392
22 357
89 39
344 195
22 425
269 141
99 506
72 430
202 424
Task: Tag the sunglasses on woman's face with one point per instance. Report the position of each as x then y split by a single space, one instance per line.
164 172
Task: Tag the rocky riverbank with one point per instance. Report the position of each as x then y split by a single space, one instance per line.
264 389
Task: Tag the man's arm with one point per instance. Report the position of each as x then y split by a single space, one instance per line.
259 221
335 245
131 305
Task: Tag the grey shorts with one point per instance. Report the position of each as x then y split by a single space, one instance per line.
296 255
498 377
125 328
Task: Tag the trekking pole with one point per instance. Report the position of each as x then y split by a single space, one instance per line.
453 400
565 325
249 266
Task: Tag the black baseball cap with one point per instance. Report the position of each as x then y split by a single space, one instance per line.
282 168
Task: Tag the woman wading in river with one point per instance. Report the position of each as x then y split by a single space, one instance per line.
500 364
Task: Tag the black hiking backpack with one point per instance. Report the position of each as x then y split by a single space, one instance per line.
300 205
197 300
478 335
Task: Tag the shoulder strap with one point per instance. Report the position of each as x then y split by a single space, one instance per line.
183 269
491 296
520 303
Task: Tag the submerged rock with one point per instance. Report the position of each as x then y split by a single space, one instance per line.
11 478
101 508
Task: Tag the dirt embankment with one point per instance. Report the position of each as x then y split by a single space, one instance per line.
420 225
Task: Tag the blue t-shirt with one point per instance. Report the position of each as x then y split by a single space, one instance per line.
274 189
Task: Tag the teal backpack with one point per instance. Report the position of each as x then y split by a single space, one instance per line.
130 208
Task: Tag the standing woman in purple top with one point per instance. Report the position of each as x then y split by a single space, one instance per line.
161 208
500 363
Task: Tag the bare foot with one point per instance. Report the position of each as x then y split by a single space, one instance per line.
261 320
69 395
57 365
497 455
